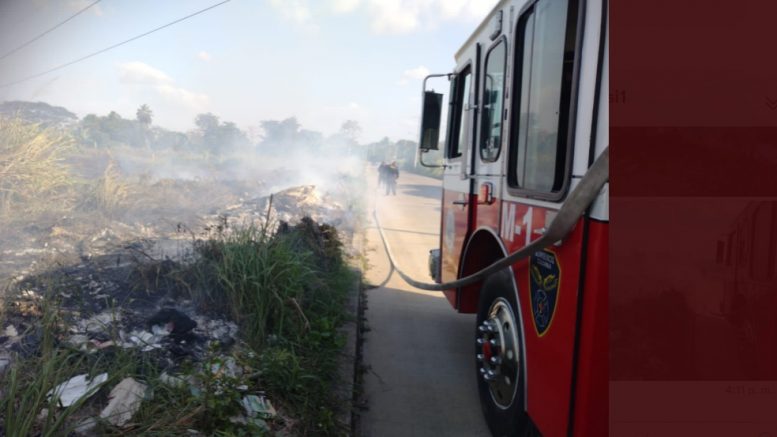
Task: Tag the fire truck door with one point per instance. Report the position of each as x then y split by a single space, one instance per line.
457 201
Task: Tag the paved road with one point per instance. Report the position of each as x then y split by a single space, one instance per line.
420 350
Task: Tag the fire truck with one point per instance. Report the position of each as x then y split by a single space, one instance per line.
527 117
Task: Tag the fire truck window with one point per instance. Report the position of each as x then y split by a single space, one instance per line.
762 261
458 125
544 65
493 91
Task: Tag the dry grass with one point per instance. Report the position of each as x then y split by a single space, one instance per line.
111 194
33 174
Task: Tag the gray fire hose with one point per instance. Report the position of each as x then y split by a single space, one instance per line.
574 207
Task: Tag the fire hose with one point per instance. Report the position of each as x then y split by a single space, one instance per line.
573 208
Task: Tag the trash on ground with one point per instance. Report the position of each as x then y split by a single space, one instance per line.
10 331
76 388
79 341
176 322
5 361
145 340
125 400
175 381
97 323
258 406
228 368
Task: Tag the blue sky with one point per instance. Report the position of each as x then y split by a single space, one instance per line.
323 61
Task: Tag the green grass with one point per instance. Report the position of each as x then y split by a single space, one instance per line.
287 292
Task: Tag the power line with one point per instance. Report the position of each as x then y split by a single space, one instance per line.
48 31
67 64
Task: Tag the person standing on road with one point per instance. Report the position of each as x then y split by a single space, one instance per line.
392 174
382 174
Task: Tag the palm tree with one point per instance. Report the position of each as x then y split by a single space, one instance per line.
144 116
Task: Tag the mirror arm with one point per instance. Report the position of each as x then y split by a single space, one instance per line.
448 75
421 161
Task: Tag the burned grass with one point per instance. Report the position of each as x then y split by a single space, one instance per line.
252 316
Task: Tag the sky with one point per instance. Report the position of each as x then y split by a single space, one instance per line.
322 61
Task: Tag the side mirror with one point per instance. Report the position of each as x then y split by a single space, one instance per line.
430 121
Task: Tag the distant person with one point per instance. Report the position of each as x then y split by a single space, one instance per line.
382 169
392 174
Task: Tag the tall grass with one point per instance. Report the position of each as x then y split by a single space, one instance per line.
111 193
33 173
287 291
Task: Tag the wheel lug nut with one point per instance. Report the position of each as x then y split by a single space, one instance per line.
496 361
479 357
482 328
494 342
480 341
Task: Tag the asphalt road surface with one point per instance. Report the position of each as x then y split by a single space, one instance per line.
420 351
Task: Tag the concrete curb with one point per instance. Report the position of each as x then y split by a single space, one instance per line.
349 357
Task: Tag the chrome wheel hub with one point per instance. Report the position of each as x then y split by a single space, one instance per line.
498 352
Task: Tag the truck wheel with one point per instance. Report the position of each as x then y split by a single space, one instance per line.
499 358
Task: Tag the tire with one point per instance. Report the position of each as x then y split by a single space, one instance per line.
502 399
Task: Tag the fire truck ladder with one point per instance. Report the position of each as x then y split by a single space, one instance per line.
574 207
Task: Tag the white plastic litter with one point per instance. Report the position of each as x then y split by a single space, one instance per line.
5 361
125 400
258 406
172 380
145 340
11 331
97 323
78 340
77 387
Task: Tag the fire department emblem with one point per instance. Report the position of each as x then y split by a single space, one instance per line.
544 282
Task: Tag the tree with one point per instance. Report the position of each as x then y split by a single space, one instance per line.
383 150
144 115
206 122
351 130
217 137
283 132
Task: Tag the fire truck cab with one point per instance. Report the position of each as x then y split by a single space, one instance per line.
527 116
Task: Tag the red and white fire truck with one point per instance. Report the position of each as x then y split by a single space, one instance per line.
527 118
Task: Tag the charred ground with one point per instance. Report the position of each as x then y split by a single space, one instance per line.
215 282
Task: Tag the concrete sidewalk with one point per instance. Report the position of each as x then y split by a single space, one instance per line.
420 350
